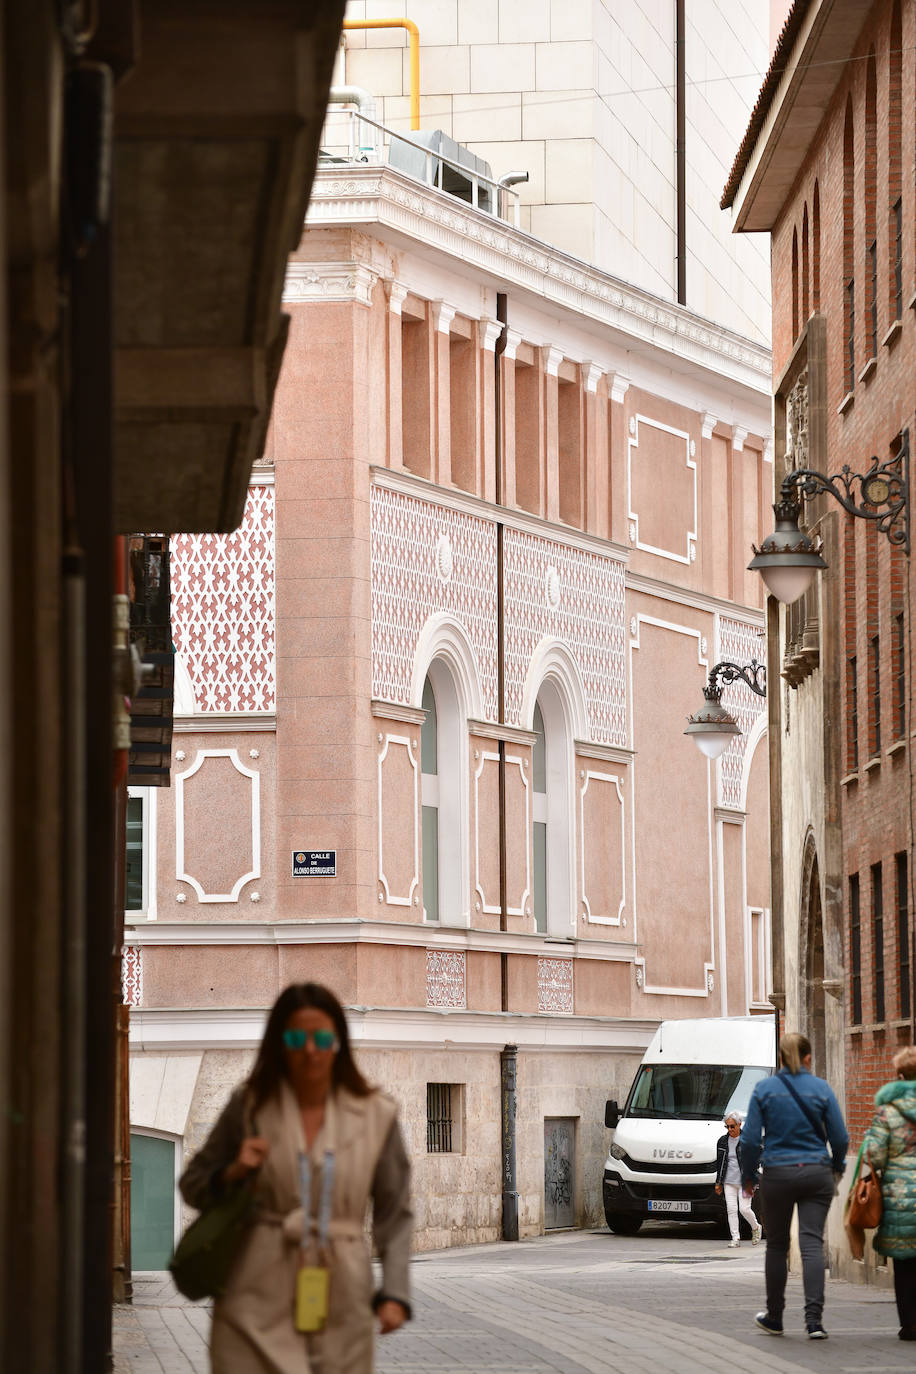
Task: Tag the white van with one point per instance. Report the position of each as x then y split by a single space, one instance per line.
662 1159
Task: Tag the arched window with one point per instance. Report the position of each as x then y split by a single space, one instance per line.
849 281
539 822
794 285
443 773
871 193
806 269
429 773
554 906
894 176
816 249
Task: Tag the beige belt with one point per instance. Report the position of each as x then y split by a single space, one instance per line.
291 1225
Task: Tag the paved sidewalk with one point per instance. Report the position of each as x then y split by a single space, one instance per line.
572 1303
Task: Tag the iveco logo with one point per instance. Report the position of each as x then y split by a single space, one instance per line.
672 1154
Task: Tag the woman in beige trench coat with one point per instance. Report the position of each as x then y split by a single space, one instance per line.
305 1094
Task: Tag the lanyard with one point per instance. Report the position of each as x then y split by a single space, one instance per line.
325 1202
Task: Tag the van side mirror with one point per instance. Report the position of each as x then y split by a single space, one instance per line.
611 1114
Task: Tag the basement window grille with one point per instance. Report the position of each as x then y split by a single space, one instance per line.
443 1126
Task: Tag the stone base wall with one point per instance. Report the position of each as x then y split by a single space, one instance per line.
458 1195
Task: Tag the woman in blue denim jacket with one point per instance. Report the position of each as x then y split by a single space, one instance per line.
795 1118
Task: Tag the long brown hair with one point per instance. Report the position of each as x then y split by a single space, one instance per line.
270 1066
793 1048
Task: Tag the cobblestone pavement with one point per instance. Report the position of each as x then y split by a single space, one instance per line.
572 1303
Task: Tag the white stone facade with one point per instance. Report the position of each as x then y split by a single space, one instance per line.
581 95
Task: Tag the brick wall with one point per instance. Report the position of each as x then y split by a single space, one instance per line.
863 420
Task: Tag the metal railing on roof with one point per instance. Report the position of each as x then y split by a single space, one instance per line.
367 141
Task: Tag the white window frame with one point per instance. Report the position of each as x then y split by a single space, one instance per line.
148 911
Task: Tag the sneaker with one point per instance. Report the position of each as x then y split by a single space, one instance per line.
733 1244
771 1325
755 1236
816 1332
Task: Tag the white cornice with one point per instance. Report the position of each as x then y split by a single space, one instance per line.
393 710
699 601
608 753
486 510
421 1028
352 930
329 281
512 734
382 196
225 723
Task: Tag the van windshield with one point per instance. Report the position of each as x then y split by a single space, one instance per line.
700 1092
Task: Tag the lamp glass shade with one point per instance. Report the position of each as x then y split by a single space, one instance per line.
788 583
712 743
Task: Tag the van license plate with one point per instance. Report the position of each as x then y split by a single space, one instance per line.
669 1206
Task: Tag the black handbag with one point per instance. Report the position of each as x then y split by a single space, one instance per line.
207 1251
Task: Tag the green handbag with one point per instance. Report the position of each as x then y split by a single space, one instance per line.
206 1252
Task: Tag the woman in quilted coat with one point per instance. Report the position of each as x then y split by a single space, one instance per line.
891 1147
307 1112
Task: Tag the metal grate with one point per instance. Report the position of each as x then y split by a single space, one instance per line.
440 1124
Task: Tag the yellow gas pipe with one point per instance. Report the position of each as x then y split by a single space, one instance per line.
413 34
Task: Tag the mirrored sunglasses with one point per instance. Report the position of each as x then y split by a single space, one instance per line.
321 1039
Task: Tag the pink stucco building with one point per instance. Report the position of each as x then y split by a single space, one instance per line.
385 659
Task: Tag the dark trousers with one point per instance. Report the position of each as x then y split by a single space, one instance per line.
905 1292
809 1187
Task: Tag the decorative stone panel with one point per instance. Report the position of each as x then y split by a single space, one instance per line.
223 610
446 978
578 597
132 975
555 986
426 559
739 642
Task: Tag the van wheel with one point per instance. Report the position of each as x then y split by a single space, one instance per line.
623 1223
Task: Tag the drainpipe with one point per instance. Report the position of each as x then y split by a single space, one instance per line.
413 34
680 153
510 179
508 1059
365 102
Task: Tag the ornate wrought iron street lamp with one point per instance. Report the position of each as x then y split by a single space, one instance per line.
788 559
713 727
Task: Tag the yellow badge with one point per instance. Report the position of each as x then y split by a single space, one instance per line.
311 1299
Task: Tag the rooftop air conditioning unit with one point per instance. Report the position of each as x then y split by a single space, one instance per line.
408 152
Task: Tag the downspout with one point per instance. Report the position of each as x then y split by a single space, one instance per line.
413 34
680 153
509 1056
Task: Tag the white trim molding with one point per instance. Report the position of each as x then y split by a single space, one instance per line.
350 930
181 872
689 556
426 1028
386 894
328 281
483 905
398 206
590 916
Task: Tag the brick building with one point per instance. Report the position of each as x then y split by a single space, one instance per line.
826 168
